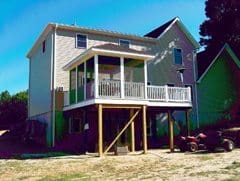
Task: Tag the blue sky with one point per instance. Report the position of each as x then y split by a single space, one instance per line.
21 22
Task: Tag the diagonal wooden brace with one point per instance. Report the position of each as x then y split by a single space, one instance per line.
121 132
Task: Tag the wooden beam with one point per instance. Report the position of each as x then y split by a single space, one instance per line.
132 132
121 132
170 127
144 119
100 134
188 122
121 107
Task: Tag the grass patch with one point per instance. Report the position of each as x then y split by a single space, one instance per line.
72 176
206 158
234 165
41 155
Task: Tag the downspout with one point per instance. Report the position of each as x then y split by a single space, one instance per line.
195 84
53 83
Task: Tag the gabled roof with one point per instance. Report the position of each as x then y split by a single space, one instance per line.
114 47
158 31
108 50
161 30
210 60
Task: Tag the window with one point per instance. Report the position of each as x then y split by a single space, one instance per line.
124 43
43 46
81 41
178 56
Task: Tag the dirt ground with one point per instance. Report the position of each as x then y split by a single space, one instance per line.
156 165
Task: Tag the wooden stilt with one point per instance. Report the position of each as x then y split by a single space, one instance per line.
100 134
132 132
144 119
171 138
122 131
188 122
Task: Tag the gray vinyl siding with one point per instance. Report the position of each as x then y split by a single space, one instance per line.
40 80
162 69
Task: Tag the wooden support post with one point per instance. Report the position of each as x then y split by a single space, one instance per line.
132 131
122 131
144 119
187 122
170 127
100 134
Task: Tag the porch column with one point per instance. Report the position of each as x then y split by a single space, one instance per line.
96 76
144 119
170 127
85 80
145 79
100 134
132 131
187 121
122 76
76 85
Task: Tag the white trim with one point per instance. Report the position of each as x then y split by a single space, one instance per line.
127 102
214 60
119 40
145 79
96 76
76 40
122 94
91 51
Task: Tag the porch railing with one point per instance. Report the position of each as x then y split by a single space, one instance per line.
109 88
135 90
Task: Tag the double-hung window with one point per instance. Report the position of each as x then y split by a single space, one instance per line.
178 56
124 43
81 41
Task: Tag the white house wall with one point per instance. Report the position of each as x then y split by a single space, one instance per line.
40 80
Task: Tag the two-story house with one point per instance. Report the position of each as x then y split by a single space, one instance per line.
112 88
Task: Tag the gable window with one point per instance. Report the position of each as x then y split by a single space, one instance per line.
124 43
178 56
81 41
43 46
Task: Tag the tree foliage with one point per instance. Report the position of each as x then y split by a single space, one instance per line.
222 25
13 109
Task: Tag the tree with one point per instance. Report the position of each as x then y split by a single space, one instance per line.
13 109
222 25
4 96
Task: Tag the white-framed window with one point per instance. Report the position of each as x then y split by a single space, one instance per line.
124 43
178 58
81 40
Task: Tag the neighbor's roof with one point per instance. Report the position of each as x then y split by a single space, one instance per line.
161 30
205 60
107 49
51 26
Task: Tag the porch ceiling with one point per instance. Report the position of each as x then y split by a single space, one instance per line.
108 50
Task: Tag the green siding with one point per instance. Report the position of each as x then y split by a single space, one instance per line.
60 125
216 92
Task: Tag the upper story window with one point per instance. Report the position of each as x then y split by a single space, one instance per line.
43 46
124 43
178 56
81 41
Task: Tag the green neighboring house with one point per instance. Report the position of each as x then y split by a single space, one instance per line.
218 85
